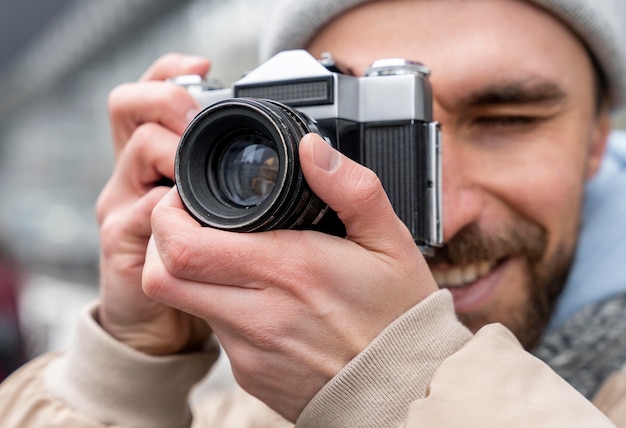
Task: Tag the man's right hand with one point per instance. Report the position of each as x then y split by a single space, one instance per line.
147 119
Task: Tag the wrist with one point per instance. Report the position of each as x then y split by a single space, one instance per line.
93 377
377 386
171 333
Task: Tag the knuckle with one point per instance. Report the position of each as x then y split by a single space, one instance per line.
177 256
143 147
368 186
266 336
154 281
117 98
267 326
145 135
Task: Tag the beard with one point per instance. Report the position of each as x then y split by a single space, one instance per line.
543 283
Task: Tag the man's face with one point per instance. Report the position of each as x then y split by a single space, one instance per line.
514 93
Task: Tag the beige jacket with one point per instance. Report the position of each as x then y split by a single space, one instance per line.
424 370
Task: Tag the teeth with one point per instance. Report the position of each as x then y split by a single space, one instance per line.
461 275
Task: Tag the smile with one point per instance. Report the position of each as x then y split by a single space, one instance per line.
474 285
459 276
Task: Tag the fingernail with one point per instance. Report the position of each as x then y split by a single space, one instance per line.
324 156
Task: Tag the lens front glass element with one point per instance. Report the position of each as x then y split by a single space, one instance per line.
248 170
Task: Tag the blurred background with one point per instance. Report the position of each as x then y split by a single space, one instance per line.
58 61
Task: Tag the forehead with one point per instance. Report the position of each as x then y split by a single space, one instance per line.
460 41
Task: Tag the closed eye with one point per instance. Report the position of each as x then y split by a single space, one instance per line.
507 121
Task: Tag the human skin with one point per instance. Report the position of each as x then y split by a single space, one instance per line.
291 308
252 288
514 93
147 119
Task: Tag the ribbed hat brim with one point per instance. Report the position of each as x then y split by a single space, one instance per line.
601 24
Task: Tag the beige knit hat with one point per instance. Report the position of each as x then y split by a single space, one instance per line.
601 24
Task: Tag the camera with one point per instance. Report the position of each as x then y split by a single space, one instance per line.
237 165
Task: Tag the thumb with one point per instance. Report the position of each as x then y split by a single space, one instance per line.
354 192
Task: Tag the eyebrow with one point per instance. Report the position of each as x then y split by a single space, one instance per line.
536 92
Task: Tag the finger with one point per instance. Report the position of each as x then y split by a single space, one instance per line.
131 220
250 260
354 192
149 157
189 250
130 105
134 104
194 297
223 305
175 64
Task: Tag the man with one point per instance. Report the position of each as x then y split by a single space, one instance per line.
327 331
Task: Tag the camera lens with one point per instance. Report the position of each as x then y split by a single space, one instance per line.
248 170
237 168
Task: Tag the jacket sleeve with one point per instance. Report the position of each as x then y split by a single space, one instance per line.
100 382
426 370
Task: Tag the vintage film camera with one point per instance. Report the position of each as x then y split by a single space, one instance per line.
237 165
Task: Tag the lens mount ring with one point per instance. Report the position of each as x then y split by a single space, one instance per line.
277 130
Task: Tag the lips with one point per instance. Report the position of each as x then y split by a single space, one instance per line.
459 276
473 285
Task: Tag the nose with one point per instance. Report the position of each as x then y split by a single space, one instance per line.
463 198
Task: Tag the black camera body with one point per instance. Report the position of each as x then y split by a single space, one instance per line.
237 165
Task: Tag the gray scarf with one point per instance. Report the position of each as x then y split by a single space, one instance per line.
589 346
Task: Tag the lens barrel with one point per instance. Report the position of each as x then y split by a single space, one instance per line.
237 169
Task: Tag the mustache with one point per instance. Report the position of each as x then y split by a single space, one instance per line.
473 244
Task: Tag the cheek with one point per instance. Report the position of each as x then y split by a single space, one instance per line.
543 181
